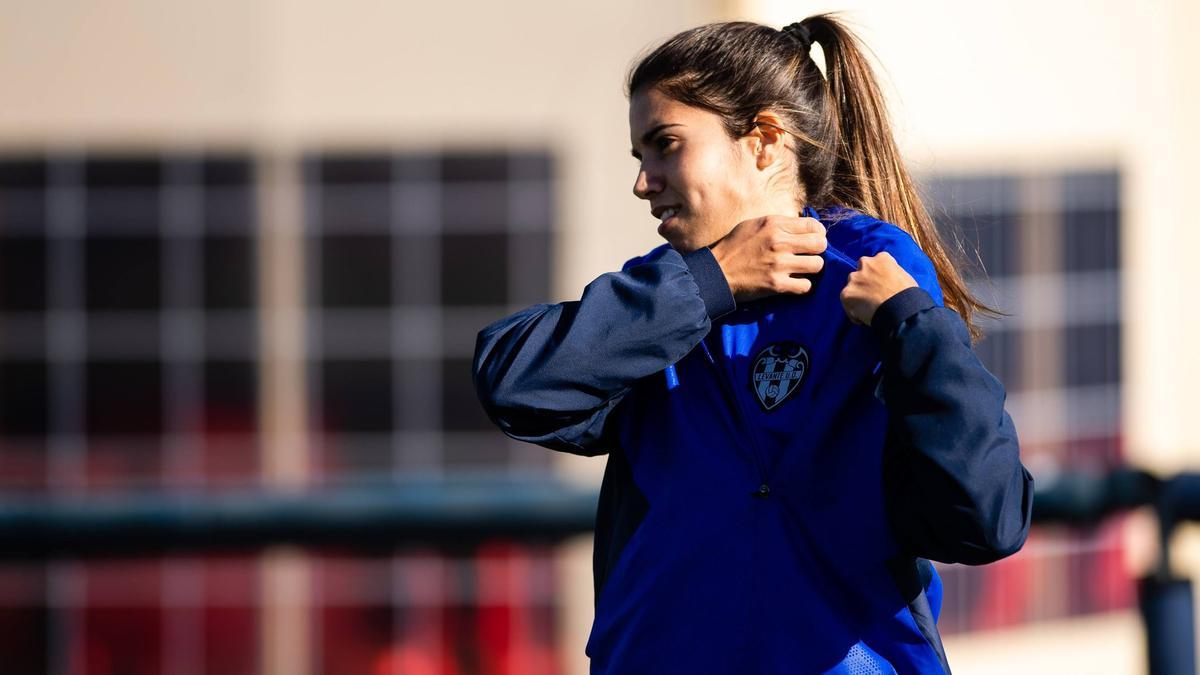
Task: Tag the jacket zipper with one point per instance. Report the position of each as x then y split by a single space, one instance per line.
764 489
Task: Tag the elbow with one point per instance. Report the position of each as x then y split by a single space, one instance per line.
1003 541
510 406
982 546
1003 527
970 529
492 380
1012 535
491 396
501 403
524 413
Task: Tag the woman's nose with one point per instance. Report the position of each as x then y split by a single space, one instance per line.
645 184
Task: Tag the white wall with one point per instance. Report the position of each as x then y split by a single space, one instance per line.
972 79
286 75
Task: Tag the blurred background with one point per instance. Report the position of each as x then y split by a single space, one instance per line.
247 246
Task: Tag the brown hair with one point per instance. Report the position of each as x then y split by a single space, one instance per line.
846 154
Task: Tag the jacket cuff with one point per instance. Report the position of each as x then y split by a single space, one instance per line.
714 289
898 309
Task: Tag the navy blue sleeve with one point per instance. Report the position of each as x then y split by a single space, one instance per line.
552 374
957 491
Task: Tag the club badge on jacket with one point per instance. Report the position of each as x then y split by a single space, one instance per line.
777 373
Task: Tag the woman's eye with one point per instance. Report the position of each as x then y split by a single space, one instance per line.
663 142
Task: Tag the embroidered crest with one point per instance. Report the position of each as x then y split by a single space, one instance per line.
777 373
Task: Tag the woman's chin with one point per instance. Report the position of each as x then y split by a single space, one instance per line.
674 234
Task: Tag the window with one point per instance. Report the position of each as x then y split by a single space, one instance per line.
1049 243
128 362
407 255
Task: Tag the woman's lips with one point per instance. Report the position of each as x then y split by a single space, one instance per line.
668 216
666 224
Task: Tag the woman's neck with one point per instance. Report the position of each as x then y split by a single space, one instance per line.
779 206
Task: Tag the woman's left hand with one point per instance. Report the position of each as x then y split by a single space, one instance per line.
878 278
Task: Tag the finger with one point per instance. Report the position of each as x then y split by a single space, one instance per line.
795 225
798 286
851 303
802 264
881 260
850 295
808 243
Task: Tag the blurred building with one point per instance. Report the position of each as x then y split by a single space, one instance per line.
250 244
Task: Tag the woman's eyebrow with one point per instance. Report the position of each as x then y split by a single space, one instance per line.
650 134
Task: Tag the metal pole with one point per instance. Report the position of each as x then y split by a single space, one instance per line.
1166 606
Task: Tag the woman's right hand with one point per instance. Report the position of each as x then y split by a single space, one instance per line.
765 256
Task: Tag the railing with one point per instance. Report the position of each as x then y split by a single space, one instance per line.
458 514
453 514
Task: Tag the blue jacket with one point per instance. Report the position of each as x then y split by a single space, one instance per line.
778 478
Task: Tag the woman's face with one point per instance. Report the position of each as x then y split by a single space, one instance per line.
699 182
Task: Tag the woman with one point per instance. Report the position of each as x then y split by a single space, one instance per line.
778 473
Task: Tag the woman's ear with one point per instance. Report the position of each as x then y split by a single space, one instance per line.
770 139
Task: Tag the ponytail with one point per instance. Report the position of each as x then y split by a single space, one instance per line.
845 152
869 173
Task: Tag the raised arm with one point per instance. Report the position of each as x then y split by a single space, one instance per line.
552 374
955 486
957 491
